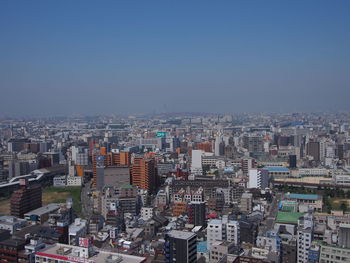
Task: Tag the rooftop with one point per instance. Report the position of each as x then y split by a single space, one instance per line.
302 196
44 209
101 256
181 234
288 217
276 169
127 186
202 247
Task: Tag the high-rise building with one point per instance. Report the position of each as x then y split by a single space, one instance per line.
197 213
248 163
305 237
26 199
204 146
17 145
223 229
254 143
180 246
103 159
144 173
116 176
129 201
196 162
292 161
246 203
219 145
344 235
313 149
258 178
17 168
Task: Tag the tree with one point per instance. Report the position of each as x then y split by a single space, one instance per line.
206 168
344 206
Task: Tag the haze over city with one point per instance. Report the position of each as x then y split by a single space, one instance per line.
87 57
174 131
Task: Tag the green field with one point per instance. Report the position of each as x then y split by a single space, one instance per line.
60 194
336 203
5 207
52 195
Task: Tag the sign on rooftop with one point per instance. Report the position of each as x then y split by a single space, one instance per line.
161 134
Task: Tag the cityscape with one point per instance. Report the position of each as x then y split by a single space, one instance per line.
184 131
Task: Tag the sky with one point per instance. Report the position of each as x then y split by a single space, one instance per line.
102 57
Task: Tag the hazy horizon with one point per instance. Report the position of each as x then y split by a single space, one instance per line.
85 57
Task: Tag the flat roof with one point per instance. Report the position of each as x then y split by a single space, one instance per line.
202 247
276 169
215 222
302 196
288 217
101 256
181 234
44 209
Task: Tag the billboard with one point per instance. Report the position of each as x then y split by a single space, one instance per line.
161 134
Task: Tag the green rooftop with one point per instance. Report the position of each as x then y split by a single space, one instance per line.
288 217
127 186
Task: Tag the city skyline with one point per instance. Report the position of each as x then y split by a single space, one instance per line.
91 58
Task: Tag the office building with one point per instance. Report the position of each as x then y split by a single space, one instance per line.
25 199
313 150
254 144
247 164
292 161
180 246
116 176
196 212
258 178
196 162
17 145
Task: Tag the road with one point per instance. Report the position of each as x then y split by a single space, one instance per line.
86 200
271 214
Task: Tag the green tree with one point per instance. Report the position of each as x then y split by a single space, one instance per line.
206 168
344 206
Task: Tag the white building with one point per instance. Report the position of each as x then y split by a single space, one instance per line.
146 213
74 180
258 178
80 155
77 230
223 230
304 240
85 253
196 162
60 180
218 145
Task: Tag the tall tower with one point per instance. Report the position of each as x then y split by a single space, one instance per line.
144 173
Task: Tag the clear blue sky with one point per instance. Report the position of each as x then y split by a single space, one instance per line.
64 56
